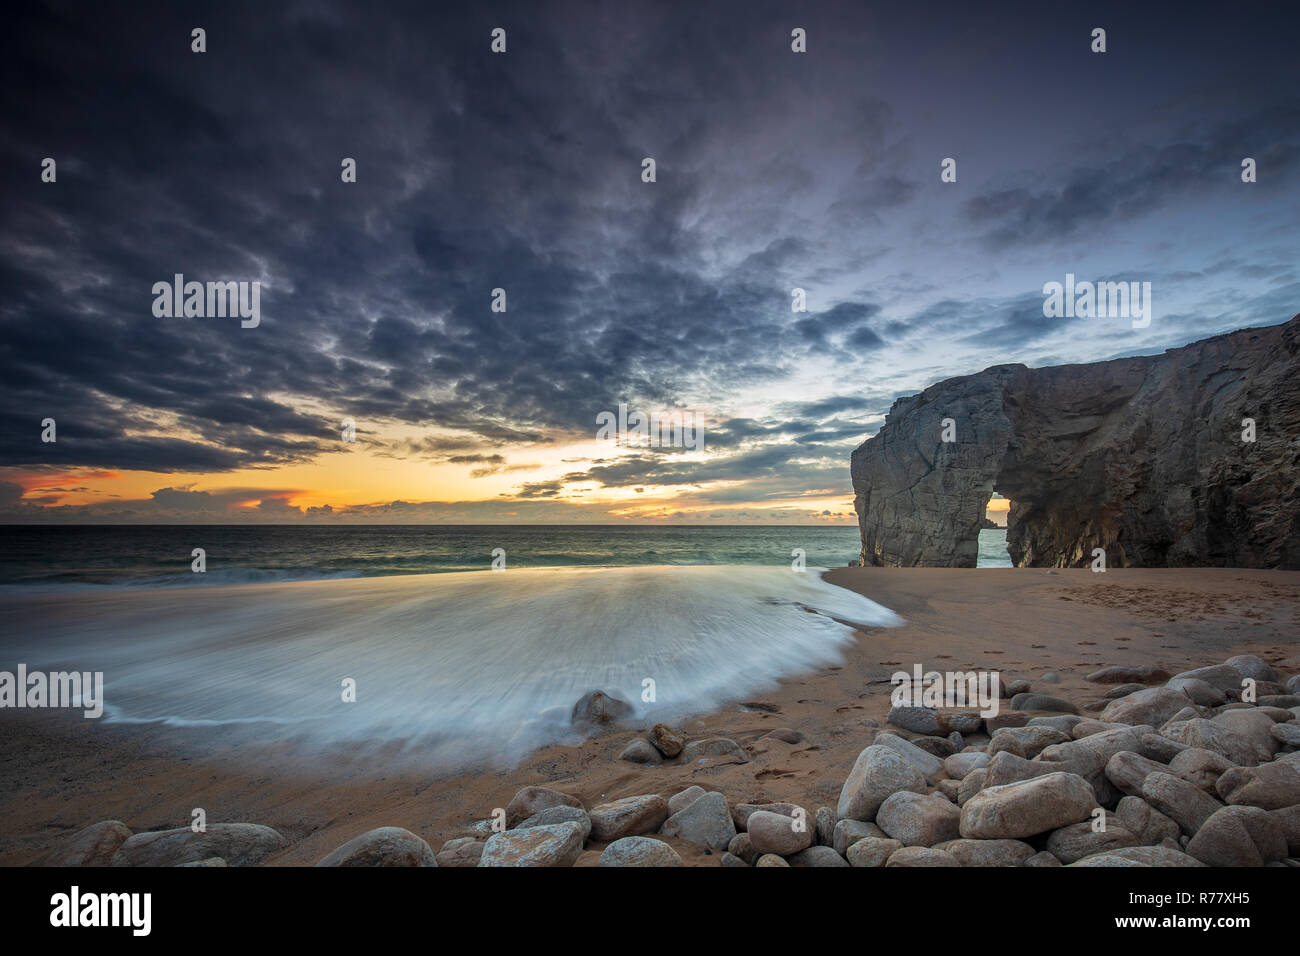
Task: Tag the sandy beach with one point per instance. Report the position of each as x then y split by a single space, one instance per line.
59 773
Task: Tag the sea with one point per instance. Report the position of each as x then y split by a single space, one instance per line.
404 644
98 556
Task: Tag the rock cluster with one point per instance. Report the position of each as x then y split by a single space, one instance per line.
1159 778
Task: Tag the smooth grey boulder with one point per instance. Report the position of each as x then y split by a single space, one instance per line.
1152 706
929 721
777 833
1147 824
531 800
557 844
1270 786
706 822
630 816
1183 802
239 844
872 851
1027 807
639 851
383 846
931 767
1129 674
1042 702
919 820
597 707
714 750
1140 856
819 856
90 846
1078 840
988 852
878 773
1238 836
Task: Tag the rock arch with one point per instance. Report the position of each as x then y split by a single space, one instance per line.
1140 456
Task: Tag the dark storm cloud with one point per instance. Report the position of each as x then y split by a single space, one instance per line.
474 172
522 172
1142 180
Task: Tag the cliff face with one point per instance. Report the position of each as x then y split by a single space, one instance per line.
1143 457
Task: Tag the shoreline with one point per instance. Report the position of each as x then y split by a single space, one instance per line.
1022 622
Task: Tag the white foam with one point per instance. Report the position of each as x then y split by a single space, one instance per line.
474 666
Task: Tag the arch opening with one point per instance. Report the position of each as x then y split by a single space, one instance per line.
993 551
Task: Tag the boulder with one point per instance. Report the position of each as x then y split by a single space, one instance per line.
878 773
239 844
1078 840
1183 802
1140 856
741 812
872 851
1270 786
918 820
1129 674
921 856
532 800
1027 807
742 847
557 844
667 741
640 751
1256 668
629 816
639 851
958 765
1220 676
1253 726
461 852
1160 749
776 833
1042 858
1147 824
90 846
1152 706
929 721
1198 691
1238 836
1027 742
818 856
383 846
682 800
715 750
849 832
1212 735
597 707
971 784
930 766
1200 767
1042 702
706 822
988 852
1126 770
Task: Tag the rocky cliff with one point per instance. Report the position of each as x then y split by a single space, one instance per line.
1143 457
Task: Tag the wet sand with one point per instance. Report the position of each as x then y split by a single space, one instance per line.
59 773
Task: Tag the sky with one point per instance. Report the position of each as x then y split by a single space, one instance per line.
775 170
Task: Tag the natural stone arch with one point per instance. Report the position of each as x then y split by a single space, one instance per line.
1140 456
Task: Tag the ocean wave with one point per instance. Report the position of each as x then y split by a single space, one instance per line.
475 667
218 577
